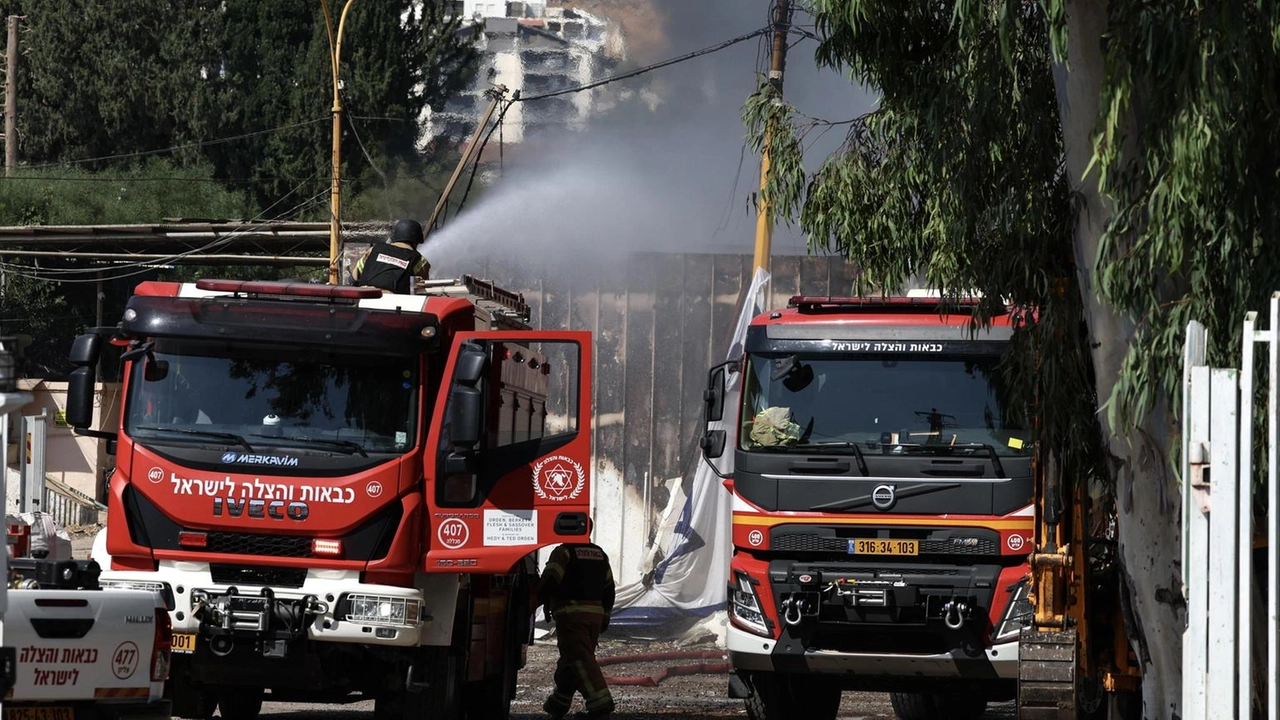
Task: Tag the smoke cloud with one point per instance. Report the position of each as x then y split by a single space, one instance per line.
667 169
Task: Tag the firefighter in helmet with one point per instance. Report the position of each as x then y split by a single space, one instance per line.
578 591
392 264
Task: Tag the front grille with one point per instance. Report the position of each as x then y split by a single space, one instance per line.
846 569
258 575
814 543
291 546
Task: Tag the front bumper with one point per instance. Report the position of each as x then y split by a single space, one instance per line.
753 653
318 610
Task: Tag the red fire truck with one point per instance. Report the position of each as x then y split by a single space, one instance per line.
344 490
882 508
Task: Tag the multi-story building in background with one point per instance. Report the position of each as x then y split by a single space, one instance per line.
535 47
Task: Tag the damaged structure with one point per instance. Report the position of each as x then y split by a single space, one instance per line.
536 48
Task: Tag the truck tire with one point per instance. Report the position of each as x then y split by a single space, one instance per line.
770 698
240 703
937 706
190 700
437 701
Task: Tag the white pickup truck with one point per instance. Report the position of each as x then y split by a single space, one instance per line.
83 653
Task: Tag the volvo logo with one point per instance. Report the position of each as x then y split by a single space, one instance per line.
883 497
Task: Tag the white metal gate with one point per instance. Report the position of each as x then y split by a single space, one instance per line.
1218 530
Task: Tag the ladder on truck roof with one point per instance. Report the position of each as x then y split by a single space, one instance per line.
507 307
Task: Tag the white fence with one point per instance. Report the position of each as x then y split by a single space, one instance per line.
1218 499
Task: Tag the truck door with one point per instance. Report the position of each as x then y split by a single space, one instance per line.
508 465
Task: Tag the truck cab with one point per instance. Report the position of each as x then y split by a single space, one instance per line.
882 507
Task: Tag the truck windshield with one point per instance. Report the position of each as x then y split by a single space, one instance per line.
196 392
879 404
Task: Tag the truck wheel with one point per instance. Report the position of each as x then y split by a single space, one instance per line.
438 700
240 703
937 706
771 698
190 699
490 699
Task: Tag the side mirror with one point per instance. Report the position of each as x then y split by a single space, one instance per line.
713 396
85 350
155 370
80 388
471 366
713 444
466 413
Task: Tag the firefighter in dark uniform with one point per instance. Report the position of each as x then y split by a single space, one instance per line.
391 265
577 588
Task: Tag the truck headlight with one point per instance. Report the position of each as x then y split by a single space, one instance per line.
379 610
744 606
1018 613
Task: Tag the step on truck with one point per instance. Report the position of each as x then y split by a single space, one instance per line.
882 508
344 490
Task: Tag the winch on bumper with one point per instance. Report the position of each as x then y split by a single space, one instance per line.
328 607
908 620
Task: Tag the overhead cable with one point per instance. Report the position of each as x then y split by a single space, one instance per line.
649 68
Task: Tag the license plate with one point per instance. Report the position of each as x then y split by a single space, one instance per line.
884 547
51 712
184 643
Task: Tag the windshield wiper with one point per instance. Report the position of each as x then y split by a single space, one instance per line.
350 446
210 434
836 445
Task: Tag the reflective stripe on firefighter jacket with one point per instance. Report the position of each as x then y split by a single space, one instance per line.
389 266
577 579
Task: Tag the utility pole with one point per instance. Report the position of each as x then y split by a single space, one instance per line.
11 98
777 65
335 192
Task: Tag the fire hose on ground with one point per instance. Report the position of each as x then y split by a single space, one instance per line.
701 668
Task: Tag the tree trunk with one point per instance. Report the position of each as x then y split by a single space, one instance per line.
1147 502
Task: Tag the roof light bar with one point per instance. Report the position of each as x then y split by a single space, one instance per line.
807 303
293 289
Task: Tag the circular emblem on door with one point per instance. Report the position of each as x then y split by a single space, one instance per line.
884 496
558 478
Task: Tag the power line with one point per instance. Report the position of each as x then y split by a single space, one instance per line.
188 146
649 68
386 186
44 274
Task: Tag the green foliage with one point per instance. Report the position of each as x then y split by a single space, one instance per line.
37 309
243 85
110 78
1194 183
147 192
955 181
396 61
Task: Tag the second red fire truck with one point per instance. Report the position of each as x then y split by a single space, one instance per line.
882 508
